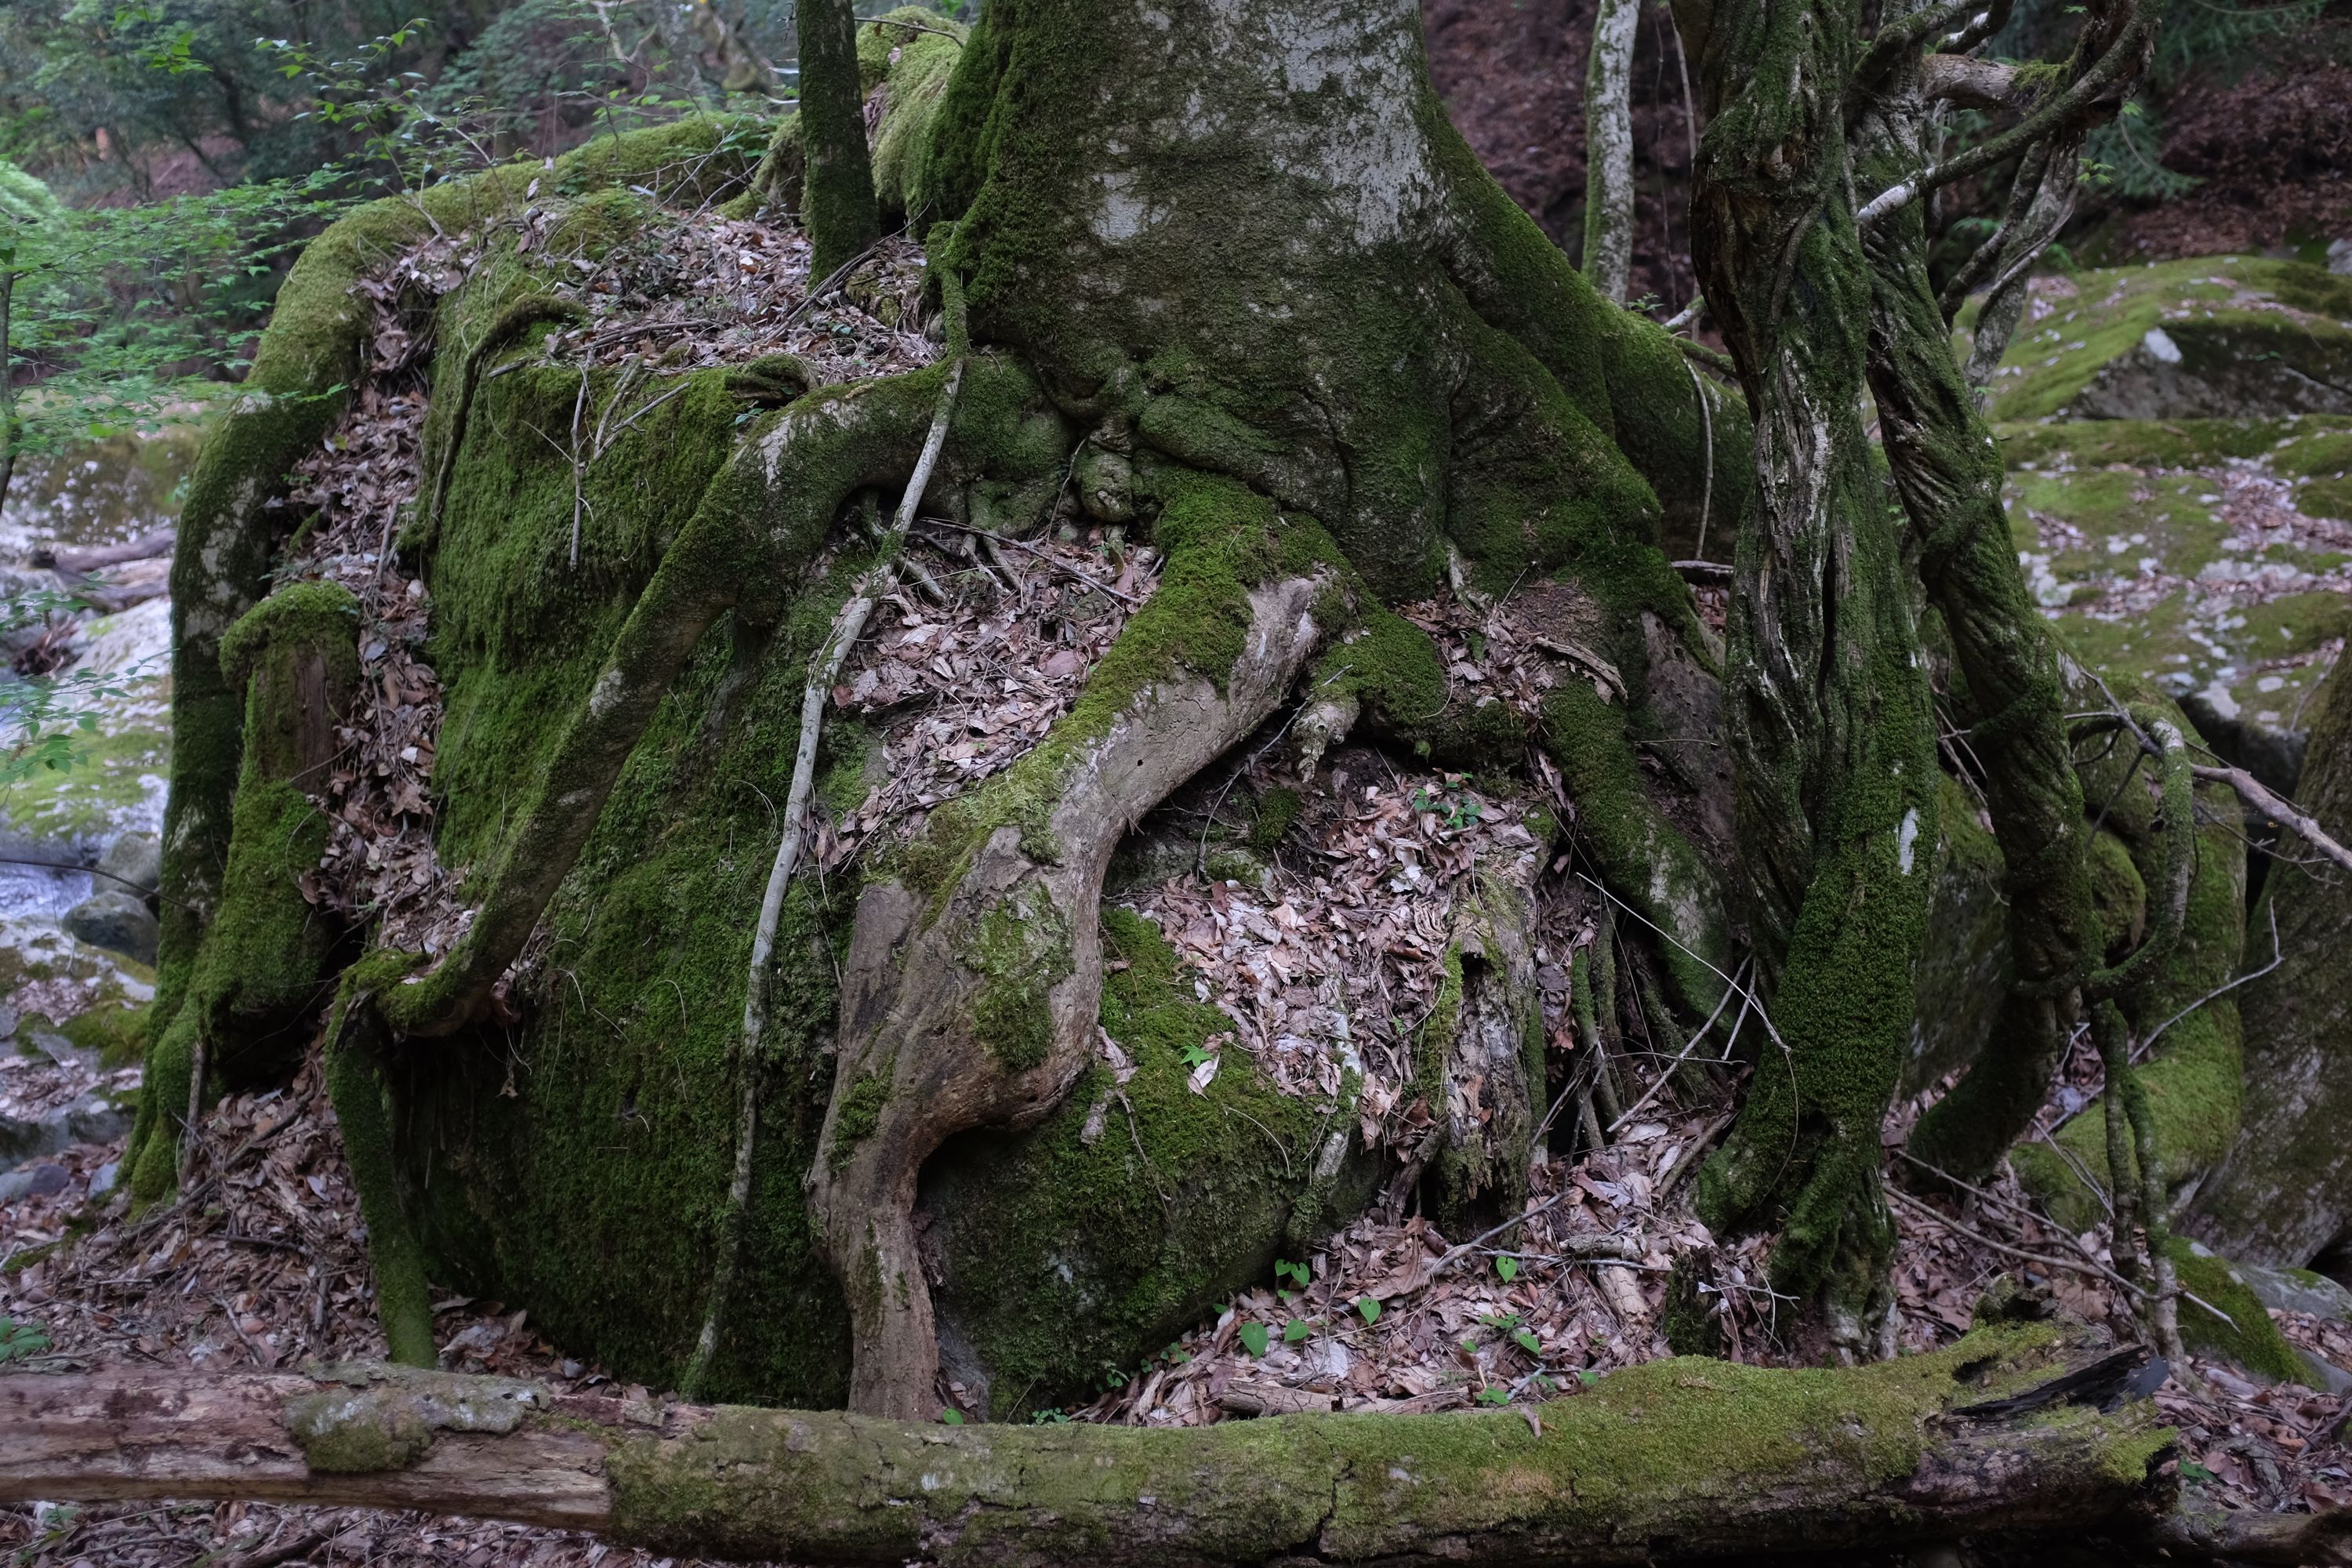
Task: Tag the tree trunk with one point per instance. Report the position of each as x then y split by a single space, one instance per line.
1831 725
1608 149
838 188
2284 1196
1674 1460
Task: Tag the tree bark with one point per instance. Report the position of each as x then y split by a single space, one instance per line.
1831 726
1608 149
1674 1460
837 190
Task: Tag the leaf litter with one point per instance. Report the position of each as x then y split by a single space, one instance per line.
1326 957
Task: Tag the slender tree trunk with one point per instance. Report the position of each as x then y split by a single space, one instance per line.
7 390
1831 723
1949 474
838 200
1608 149
1669 1461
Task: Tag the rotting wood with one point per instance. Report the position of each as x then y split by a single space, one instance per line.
1811 1460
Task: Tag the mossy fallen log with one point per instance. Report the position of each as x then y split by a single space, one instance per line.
1674 1460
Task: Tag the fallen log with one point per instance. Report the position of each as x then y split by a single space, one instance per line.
146 547
1676 1459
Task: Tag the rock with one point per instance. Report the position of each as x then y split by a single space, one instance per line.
60 1050
94 1118
137 859
2235 337
46 1180
103 1180
2299 1290
117 921
2339 257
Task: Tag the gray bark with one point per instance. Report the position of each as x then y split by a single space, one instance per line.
1608 149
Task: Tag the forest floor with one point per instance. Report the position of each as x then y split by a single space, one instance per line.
262 1263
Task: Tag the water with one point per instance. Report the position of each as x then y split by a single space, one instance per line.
103 492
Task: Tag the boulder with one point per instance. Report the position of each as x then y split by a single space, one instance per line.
2232 337
115 921
134 864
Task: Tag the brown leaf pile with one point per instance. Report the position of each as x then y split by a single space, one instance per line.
262 1264
963 685
1330 962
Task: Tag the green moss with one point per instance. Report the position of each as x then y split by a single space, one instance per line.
1277 808
2241 1333
2220 312
1630 1456
860 1114
1644 857
912 68
1067 1252
356 1089
2118 891
2194 1079
293 395
118 1034
1020 950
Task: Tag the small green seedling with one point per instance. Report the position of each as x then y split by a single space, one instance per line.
1252 1338
1369 1309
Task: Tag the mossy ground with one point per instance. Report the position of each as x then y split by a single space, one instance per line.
2139 538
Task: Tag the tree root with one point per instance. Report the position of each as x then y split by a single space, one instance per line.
750 1060
973 979
1672 1461
354 1079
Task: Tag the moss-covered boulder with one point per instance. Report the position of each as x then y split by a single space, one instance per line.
2231 337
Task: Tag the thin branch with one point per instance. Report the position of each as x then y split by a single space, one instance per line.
2264 803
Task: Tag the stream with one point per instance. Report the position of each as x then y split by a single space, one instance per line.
75 944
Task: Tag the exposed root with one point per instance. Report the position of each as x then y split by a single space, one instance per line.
970 999
823 670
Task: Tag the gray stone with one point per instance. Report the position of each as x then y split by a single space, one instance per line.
46 1180
60 1050
94 1118
103 1180
2298 1291
117 921
136 858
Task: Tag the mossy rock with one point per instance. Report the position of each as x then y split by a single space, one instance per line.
2245 1338
2129 543
2235 337
1077 1249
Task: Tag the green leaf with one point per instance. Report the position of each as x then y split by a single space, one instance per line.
1368 1307
1295 1331
1526 1339
1252 1337
1494 1396
2192 1470
1508 1267
951 1417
